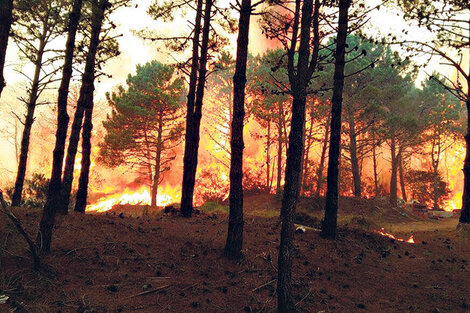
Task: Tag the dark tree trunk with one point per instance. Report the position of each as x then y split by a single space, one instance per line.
393 177
28 124
268 158
299 79
374 159
82 192
85 98
331 206
321 164
402 177
234 244
279 151
465 212
6 18
187 191
353 153
55 185
305 160
192 132
158 157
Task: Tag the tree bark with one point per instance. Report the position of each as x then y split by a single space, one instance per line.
82 192
6 18
329 223
465 212
156 178
55 185
402 177
85 98
299 79
192 133
268 158
374 159
353 153
321 164
28 124
279 150
393 177
234 244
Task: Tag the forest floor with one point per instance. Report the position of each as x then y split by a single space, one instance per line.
160 263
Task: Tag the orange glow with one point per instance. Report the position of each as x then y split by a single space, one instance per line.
382 232
166 195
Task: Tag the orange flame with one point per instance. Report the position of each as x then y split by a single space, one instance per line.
166 195
382 232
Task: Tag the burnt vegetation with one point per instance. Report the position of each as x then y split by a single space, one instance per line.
265 156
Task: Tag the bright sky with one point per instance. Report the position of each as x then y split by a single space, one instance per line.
135 51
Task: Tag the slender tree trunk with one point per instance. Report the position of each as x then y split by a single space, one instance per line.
305 160
279 151
299 79
374 159
6 18
268 158
85 98
158 157
28 124
465 212
353 153
393 177
321 164
234 244
55 185
329 223
82 192
190 148
402 177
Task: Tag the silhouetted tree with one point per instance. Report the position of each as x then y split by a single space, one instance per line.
234 243
38 24
329 222
55 185
6 18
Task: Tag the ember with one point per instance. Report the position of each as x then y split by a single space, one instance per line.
389 235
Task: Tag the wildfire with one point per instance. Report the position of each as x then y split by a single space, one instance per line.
166 195
382 232
455 203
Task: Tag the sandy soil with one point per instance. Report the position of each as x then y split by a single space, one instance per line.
165 263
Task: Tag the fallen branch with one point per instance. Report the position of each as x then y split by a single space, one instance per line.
264 285
147 292
19 227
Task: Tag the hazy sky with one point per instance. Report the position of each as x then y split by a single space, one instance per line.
135 51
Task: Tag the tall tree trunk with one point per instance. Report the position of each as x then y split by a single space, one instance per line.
82 192
305 160
321 164
374 160
279 151
268 158
465 212
28 124
85 98
6 18
299 80
55 184
353 153
158 157
329 223
393 177
192 135
402 177
234 244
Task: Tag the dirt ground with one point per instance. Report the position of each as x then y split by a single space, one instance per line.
160 263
